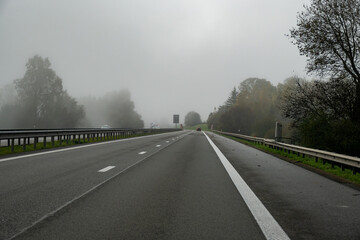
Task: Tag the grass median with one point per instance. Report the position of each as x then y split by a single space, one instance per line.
324 168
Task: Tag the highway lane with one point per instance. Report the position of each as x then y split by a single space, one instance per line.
36 185
182 192
306 205
178 192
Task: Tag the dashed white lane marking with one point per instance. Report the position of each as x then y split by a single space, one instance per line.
268 225
173 139
52 213
167 141
141 153
106 169
158 145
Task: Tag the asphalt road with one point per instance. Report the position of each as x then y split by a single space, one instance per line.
168 186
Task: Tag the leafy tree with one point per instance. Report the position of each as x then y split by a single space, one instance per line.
42 101
260 96
328 34
237 119
115 109
231 99
119 111
192 118
253 112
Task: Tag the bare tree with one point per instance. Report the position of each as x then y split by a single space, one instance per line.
328 34
300 99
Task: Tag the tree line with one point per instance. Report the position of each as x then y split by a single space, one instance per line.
314 113
321 113
39 100
250 109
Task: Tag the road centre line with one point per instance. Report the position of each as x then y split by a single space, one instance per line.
106 169
268 225
141 153
77 147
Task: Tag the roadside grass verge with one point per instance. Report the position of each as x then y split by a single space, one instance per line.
6 150
203 127
324 168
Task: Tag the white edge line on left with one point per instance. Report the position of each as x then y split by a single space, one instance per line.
77 147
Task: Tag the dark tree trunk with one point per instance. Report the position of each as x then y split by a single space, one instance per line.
356 110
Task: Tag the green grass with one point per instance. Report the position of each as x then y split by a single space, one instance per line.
309 161
6 150
203 127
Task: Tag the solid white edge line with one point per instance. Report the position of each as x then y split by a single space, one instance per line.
268 225
106 169
77 147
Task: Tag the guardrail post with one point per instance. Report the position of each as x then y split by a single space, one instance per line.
53 141
35 142
12 144
44 142
24 145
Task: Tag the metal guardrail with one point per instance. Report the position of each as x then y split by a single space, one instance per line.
25 137
344 161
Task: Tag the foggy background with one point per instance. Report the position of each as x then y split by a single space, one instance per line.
172 56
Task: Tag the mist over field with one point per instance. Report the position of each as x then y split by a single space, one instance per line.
172 57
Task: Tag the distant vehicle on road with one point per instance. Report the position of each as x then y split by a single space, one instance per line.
198 129
105 126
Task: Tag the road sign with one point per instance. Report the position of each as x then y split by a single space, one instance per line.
176 118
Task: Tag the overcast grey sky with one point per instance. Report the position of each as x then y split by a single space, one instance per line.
174 56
